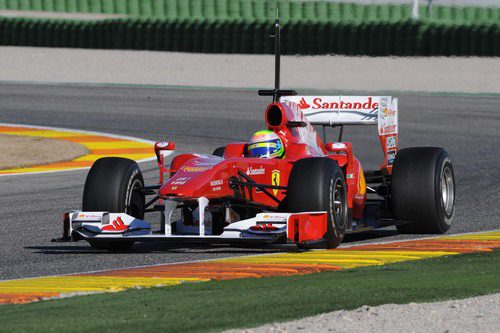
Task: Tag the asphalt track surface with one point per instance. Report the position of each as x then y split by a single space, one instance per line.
31 206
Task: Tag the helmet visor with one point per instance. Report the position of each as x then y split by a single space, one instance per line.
265 149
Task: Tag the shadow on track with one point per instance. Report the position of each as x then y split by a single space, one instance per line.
158 247
186 248
369 235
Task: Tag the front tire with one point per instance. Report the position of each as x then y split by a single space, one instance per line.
423 190
318 184
113 185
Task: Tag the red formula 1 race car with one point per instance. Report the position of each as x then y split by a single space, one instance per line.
310 192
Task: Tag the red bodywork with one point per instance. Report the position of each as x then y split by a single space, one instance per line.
194 176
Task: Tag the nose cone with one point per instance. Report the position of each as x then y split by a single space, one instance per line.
198 177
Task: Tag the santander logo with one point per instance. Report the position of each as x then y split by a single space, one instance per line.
255 171
319 104
116 225
303 104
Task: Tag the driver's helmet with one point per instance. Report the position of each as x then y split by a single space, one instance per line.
266 144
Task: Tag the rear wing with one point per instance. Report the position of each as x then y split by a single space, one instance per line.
354 110
347 110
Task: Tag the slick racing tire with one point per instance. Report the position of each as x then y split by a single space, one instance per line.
113 185
318 184
423 190
219 151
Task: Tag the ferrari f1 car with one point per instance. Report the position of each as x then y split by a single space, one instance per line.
311 197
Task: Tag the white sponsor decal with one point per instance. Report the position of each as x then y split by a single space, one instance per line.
89 216
338 145
276 218
390 142
163 144
388 116
180 181
255 171
216 182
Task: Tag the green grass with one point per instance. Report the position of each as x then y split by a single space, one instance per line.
213 306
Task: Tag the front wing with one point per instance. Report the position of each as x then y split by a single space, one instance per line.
264 228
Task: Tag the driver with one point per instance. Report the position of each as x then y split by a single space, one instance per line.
266 144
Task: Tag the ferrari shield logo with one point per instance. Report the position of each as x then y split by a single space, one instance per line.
275 180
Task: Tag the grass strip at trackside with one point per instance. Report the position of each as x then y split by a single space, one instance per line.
218 305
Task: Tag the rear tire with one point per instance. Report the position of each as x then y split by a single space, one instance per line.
112 185
318 184
423 190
